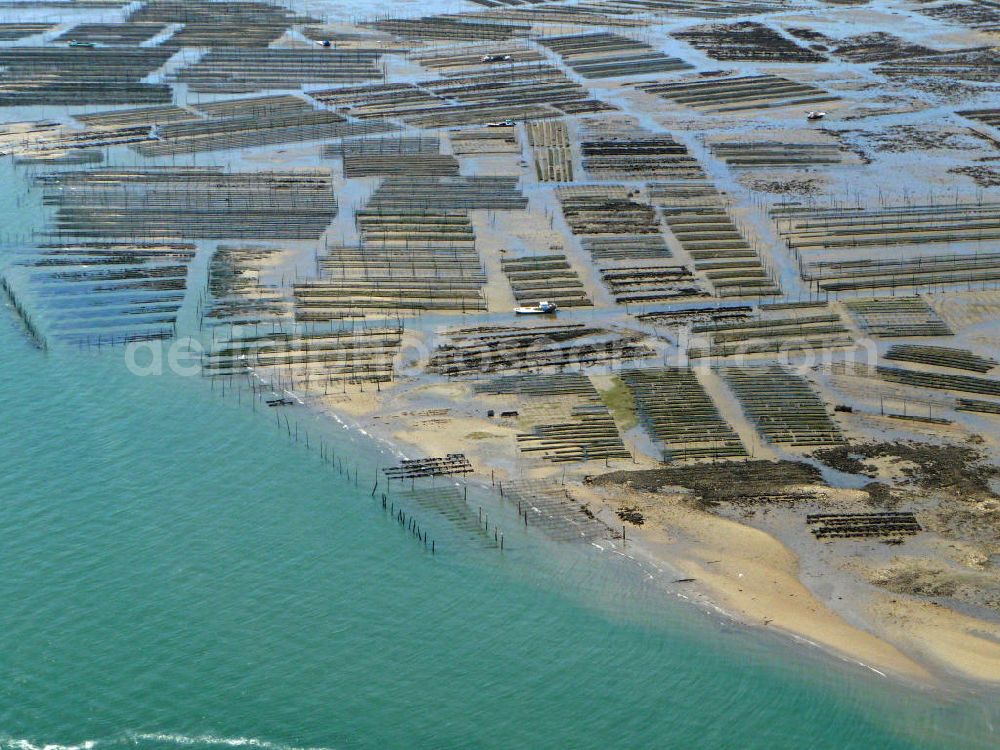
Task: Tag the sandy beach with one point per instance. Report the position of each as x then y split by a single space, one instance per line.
733 565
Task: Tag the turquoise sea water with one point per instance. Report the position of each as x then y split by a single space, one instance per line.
175 571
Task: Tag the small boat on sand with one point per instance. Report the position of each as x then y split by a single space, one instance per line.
542 308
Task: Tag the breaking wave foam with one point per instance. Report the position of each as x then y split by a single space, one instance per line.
156 739
212 741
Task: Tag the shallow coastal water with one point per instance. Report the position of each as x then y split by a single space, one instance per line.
176 570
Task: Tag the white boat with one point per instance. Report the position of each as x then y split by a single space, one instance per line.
815 115
542 308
